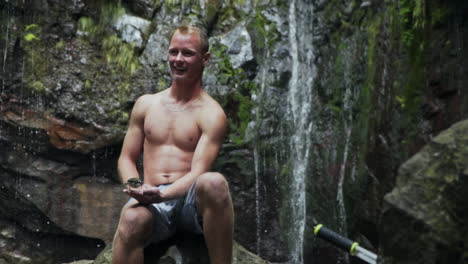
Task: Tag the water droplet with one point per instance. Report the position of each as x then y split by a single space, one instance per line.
98 245
38 244
28 195
48 222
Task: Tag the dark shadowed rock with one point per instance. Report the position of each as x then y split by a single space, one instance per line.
143 8
426 213
185 249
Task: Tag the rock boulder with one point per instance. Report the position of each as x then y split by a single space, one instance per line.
426 213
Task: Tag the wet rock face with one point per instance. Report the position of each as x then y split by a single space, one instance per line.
425 213
20 245
69 80
187 249
70 75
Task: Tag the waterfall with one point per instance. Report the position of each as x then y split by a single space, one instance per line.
257 200
300 105
259 164
339 196
5 49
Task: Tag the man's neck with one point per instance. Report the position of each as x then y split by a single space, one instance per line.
183 91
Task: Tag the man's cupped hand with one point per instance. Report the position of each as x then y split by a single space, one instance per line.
145 194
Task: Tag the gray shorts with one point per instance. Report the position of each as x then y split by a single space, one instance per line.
174 216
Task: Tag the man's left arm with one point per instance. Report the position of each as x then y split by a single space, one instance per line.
214 127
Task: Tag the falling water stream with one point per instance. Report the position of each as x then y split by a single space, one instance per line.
258 217
300 105
5 48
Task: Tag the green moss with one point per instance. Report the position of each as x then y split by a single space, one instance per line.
119 116
59 45
373 31
239 104
243 117
30 37
413 31
87 24
335 97
36 64
162 84
264 34
123 90
87 85
38 86
172 3
32 32
119 56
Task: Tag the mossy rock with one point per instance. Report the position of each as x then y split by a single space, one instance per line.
183 249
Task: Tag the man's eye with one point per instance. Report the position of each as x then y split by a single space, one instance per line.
188 54
173 52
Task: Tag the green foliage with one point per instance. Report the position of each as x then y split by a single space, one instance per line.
31 32
60 45
87 84
373 31
87 24
162 84
243 113
30 37
413 32
438 15
412 13
110 11
120 56
172 3
123 90
38 87
31 27
401 101
95 29
239 102
35 65
264 34
120 116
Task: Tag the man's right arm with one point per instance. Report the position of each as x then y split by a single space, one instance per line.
133 142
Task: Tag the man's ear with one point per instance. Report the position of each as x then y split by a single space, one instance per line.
206 58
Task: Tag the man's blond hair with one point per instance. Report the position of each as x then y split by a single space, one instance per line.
189 29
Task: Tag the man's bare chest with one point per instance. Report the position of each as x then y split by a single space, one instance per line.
172 128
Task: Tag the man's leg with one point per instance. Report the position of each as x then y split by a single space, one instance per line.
135 227
215 205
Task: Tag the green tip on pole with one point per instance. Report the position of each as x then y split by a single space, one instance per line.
352 250
317 228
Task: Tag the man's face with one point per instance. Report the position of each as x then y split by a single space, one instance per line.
185 57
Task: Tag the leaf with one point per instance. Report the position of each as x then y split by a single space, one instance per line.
31 26
30 37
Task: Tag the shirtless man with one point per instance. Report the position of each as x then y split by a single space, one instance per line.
181 130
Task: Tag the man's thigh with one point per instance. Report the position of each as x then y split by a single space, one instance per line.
190 219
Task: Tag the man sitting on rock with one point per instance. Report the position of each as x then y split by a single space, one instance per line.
180 131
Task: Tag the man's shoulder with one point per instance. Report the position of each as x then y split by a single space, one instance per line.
213 117
212 106
148 99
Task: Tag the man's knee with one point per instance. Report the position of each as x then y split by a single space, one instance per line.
135 224
212 187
